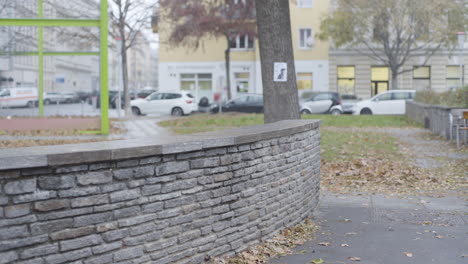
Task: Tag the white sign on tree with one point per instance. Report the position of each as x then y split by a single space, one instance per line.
280 72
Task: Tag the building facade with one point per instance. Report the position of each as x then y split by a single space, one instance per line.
353 73
203 71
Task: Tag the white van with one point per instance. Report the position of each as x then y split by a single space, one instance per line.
18 97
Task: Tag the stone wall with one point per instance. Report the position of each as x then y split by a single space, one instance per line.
438 119
143 201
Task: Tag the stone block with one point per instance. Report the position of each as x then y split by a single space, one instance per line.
14 232
115 235
23 242
95 177
20 187
146 171
76 192
8 257
204 163
68 257
124 195
72 233
40 251
81 242
90 200
126 212
69 169
107 247
51 205
14 211
172 167
92 219
123 174
128 253
50 226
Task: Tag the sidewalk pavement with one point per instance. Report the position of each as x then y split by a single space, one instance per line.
387 230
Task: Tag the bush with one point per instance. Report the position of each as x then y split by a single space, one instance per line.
455 98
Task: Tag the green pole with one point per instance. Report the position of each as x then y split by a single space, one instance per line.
104 69
41 59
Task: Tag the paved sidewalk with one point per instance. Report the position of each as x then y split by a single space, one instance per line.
386 230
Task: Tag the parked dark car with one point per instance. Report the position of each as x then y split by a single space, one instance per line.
247 103
113 100
112 94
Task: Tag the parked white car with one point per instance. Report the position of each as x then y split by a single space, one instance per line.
386 103
18 97
174 103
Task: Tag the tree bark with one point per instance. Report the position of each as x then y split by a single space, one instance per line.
125 78
280 99
227 57
394 73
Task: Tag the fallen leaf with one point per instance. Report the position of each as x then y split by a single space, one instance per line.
439 236
351 234
324 243
345 220
408 254
354 258
427 223
344 245
317 261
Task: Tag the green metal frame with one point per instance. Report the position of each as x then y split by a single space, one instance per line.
41 22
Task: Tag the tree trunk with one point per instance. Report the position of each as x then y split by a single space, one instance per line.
123 51
394 79
280 99
227 57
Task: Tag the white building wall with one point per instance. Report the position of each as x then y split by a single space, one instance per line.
170 75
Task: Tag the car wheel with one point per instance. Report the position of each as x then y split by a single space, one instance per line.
177 111
366 111
136 111
336 112
30 104
305 112
47 102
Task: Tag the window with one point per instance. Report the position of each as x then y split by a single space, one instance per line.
156 96
305 3
304 81
346 79
384 97
241 42
453 77
192 81
379 79
421 77
170 96
401 96
322 97
306 41
242 82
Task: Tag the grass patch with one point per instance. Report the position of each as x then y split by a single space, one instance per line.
210 122
43 142
345 146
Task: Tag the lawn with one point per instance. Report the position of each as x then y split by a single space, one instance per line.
359 153
209 122
338 143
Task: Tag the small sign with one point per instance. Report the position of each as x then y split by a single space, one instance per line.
60 80
281 72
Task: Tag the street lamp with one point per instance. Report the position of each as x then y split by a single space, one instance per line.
461 44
